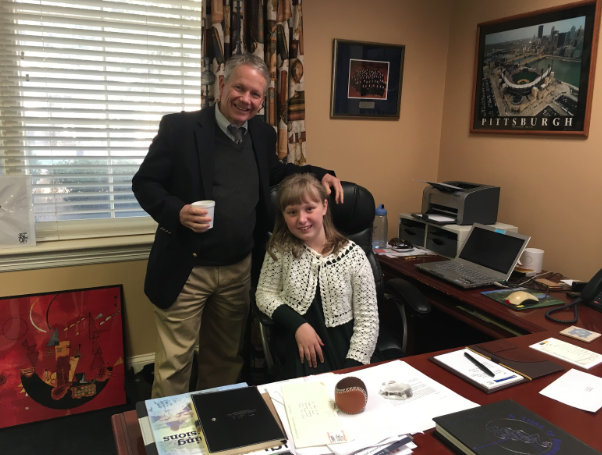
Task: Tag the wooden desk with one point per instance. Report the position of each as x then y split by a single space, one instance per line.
480 312
487 316
583 425
127 434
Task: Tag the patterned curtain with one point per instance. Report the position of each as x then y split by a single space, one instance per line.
273 30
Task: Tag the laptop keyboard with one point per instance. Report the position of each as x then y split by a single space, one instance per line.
464 271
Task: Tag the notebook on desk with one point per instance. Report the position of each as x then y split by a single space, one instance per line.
488 256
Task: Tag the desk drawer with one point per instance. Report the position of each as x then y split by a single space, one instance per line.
412 231
442 242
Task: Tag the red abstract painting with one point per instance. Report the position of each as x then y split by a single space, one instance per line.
60 354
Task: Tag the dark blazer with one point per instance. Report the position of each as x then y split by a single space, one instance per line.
178 170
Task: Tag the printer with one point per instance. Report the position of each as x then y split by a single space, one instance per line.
465 202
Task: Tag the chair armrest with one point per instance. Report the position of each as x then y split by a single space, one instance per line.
263 318
404 293
265 328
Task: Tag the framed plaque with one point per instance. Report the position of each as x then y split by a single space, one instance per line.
366 80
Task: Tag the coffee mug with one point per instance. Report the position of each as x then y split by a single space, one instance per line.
533 259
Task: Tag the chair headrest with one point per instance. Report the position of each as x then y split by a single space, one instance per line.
355 214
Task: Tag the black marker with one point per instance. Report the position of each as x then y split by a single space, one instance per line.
481 367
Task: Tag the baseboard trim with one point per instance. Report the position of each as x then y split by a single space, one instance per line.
137 362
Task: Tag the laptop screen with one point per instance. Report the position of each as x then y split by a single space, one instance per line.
490 249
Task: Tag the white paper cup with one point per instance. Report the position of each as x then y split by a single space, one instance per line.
533 259
209 206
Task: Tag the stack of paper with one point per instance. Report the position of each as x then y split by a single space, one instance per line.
311 416
382 423
412 252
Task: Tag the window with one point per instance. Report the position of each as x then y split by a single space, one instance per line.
83 85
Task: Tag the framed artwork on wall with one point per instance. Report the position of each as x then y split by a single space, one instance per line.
366 80
61 354
534 72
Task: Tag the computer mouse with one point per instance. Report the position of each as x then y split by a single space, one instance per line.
521 298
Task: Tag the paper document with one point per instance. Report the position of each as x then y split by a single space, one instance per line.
311 415
439 218
412 252
442 185
274 389
16 212
578 389
404 445
385 418
568 352
435 218
457 361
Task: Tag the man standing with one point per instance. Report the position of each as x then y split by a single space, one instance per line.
199 278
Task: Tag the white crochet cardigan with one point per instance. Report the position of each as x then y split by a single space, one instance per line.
346 287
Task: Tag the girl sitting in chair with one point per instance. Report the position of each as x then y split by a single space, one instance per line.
317 284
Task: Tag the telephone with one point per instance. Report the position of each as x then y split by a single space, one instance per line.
591 295
592 292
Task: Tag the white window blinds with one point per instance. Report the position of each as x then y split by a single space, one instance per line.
83 85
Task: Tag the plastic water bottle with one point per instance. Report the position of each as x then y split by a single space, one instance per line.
379 228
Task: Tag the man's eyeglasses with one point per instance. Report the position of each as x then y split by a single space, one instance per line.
401 245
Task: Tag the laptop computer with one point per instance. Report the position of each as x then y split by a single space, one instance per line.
488 256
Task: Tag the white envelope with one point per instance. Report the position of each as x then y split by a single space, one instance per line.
16 212
312 419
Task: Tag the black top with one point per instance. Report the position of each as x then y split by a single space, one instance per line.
336 340
236 194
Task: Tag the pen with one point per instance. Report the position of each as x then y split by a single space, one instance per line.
481 367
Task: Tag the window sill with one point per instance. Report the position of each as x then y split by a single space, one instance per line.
67 253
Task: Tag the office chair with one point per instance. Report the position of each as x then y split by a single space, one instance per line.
398 300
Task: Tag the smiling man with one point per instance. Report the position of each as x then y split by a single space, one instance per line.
242 94
199 277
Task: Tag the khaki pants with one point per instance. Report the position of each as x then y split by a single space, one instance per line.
213 306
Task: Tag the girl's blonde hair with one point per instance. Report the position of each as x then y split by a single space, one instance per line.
294 190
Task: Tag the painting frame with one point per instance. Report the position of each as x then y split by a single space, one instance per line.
366 80
514 92
62 354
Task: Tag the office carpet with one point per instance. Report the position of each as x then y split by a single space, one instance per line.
89 433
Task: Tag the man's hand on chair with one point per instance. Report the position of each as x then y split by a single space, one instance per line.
329 181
